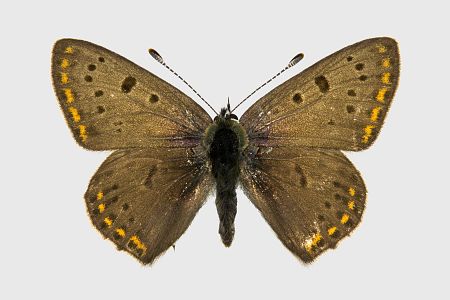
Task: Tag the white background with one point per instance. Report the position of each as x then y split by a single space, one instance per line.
50 250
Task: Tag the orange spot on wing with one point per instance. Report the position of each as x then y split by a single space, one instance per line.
351 205
108 221
120 232
138 243
68 50
381 94
344 218
309 244
83 133
351 191
75 115
374 114
65 63
64 78
332 230
367 133
69 95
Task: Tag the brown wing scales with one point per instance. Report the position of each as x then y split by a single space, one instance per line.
145 195
144 200
111 103
311 198
338 103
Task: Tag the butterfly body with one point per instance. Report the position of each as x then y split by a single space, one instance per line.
285 151
225 142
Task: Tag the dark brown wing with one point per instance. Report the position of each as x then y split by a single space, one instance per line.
311 198
111 103
338 103
144 200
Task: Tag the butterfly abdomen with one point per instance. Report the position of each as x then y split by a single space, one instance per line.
224 153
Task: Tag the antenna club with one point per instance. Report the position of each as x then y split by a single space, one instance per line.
156 55
159 58
296 59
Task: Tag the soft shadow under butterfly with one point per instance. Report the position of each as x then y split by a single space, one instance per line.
285 151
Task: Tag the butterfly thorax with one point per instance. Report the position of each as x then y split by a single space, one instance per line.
224 142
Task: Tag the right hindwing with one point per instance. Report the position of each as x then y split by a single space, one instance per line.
312 198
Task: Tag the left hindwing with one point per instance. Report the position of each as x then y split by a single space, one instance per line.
144 199
338 103
311 198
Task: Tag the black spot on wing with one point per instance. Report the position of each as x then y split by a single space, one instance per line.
98 93
153 98
127 84
322 83
100 109
359 66
297 98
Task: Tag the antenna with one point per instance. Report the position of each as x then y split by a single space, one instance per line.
292 63
159 59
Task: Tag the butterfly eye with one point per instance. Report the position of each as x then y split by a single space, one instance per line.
233 116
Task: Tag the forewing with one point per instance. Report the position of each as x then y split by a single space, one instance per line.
111 103
338 103
311 198
144 199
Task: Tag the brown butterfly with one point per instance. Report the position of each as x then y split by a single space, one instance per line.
285 151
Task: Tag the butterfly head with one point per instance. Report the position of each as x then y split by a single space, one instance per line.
225 114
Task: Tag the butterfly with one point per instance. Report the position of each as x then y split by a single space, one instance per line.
169 154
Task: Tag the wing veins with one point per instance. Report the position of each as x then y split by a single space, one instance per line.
269 105
168 188
312 103
117 70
